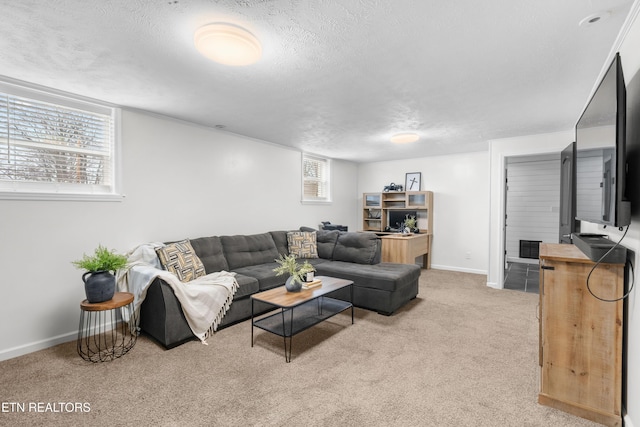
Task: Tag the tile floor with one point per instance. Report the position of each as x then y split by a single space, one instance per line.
522 277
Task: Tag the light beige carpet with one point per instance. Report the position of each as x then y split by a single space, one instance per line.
461 354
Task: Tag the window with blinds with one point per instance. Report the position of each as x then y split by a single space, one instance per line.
316 179
55 145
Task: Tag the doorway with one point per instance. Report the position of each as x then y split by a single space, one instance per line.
532 209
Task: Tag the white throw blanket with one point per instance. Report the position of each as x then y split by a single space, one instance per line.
204 300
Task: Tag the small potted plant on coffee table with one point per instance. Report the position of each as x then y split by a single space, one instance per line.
100 285
297 272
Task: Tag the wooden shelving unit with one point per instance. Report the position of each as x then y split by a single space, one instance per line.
372 212
376 206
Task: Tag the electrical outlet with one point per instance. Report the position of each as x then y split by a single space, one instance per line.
467 255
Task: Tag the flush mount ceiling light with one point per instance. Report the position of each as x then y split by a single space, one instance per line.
228 44
404 138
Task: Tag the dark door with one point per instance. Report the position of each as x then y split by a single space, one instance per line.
568 223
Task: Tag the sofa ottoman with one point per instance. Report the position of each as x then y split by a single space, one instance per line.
383 287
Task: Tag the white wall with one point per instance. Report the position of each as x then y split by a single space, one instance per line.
630 55
180 181
461 205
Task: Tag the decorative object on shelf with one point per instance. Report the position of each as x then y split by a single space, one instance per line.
297 273
100 285
392 187
412 181
410 223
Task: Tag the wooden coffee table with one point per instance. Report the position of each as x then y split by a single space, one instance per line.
300 310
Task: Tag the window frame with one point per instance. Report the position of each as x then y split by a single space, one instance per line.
327 181
26 190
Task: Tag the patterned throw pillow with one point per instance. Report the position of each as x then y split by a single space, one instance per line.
302 244
180 259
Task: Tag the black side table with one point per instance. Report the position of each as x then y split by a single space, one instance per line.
100 336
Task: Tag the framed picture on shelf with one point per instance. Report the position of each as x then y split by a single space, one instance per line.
412 181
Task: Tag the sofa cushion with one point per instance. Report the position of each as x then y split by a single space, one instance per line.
326 241
384 276
209 250
180 259
246 286
360 248
265 275
253 249
316 261
302 244
280 239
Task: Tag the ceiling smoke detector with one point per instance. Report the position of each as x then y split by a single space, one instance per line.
228 44
594 18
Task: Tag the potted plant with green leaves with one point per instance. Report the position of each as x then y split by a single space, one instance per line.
100 285
297 272
410 222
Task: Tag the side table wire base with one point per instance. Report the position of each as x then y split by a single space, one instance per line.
102 335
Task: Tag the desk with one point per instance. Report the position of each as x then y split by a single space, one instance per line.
404 249
100 336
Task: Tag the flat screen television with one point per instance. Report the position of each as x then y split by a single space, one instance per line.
397 216
601 153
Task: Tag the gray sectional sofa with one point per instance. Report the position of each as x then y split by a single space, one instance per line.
381 287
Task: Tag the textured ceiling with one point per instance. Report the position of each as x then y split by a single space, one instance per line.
337 77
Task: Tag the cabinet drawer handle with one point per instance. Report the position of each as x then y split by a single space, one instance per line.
547 267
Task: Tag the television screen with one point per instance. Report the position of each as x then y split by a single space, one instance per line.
396 217
600 153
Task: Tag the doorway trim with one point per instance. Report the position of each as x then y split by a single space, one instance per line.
542 167
499 150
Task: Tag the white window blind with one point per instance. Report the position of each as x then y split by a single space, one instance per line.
55 145
316 179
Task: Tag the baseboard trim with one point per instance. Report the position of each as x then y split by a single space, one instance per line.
38 345
627 421
459 269
21 350
494 285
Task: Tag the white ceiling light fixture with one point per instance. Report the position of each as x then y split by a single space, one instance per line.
228 44
404 138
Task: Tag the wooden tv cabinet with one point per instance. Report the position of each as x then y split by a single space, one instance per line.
580 351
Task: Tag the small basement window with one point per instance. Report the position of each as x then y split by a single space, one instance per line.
56 147
316 179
